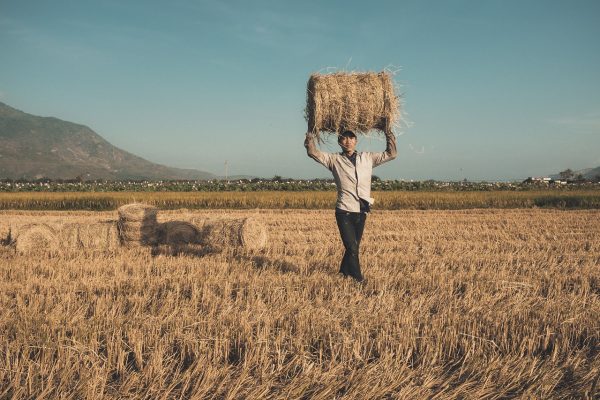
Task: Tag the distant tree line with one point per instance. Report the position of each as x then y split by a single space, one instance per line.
278 183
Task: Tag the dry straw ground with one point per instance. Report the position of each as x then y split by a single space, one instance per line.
459 304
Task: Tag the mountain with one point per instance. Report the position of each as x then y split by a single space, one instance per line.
33 147
587 173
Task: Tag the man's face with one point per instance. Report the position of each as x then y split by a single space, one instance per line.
347 143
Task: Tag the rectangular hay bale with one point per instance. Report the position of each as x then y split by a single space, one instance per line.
354 101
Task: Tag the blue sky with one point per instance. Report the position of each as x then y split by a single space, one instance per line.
492 89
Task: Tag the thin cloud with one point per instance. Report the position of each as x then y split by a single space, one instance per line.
419 151
39 40
277 30
260 26
588 120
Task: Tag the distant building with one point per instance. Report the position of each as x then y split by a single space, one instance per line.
538 179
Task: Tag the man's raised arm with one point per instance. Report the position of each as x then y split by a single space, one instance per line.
313 152
390 150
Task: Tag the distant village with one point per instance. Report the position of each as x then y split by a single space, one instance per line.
564 177
547 180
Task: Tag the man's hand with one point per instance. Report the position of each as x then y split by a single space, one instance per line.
309 139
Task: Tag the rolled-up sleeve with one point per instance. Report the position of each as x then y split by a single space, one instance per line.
389 153
316 154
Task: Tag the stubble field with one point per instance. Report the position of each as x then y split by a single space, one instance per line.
480 304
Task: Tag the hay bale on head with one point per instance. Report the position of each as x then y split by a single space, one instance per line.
137 225
239 234
354 101
37 238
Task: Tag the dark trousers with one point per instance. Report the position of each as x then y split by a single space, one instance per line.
351 226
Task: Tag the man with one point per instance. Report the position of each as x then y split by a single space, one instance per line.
352 173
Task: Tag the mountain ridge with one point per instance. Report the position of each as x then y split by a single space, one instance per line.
33 147
586 173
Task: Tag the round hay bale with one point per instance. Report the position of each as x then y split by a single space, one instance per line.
178 232
99 236
356 101
95 237
68 236
136 230
36 238
137 212
112 236
245 233
253 234
199 222
137 234
137 225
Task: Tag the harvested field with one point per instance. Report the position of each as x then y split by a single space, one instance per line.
480 304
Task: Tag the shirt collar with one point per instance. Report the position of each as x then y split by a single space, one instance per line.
351 158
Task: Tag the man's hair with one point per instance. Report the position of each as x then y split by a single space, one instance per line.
346 133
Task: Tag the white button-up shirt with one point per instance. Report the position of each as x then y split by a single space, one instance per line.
353 182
